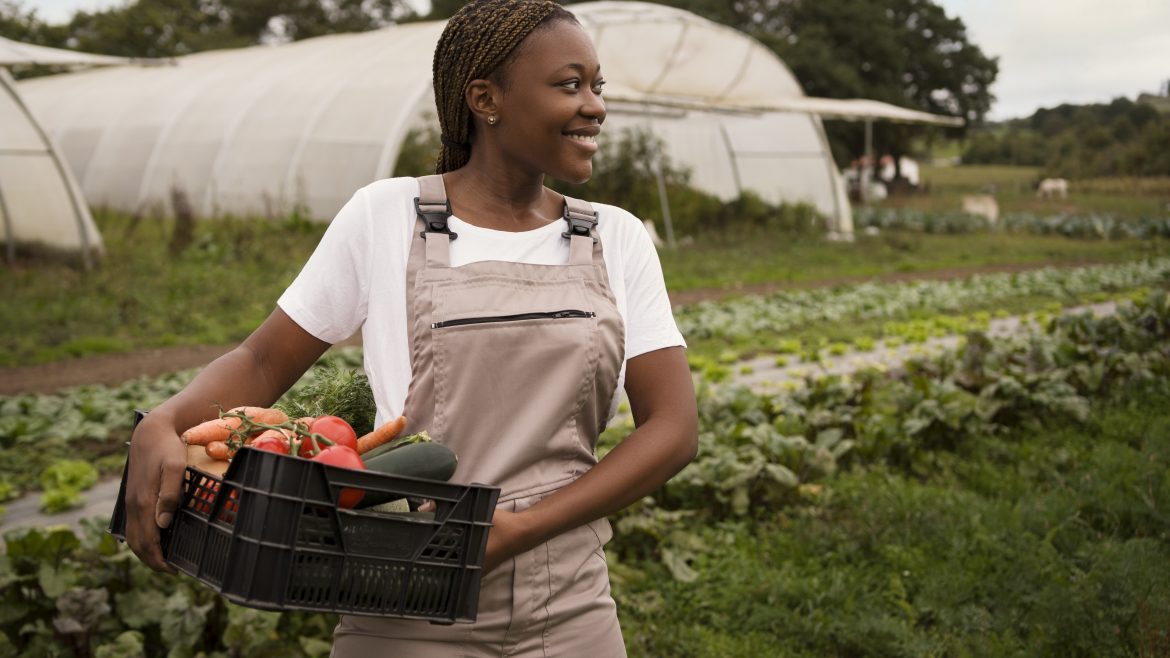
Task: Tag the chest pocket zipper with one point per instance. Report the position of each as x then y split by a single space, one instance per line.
546 315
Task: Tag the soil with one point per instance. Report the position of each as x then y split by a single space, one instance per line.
110 369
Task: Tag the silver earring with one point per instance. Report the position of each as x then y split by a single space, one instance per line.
492 120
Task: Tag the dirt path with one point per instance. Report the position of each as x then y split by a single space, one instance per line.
112 369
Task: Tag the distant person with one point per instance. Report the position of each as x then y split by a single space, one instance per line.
558 304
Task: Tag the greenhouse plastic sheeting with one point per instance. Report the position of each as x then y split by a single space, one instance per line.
40 205
266 130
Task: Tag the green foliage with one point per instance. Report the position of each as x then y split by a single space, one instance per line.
70 473
56 500
1040 542
216 292
169 28
1085 227
81 595
63 483
419 151
775 314
337 388
1120 138
57 441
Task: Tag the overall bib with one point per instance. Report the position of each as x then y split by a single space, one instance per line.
514 367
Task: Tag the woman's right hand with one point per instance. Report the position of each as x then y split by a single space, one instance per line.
154 487
255 373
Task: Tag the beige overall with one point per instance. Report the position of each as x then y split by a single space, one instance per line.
513 367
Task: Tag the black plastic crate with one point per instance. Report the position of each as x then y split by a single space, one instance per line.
269 535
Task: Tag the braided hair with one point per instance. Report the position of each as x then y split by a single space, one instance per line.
477 44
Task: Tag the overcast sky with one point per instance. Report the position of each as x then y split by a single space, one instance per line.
1050 51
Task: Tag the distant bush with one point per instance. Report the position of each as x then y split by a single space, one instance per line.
1121 138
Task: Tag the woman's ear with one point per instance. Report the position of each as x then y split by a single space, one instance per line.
482 97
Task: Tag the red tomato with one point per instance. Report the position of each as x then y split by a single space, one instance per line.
271 444
344 457
336 430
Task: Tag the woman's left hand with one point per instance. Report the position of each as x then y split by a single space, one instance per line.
504 539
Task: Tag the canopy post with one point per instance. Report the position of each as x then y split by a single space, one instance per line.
866 173
9 236
664 202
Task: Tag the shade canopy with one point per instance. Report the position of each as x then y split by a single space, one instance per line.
15 53
264 130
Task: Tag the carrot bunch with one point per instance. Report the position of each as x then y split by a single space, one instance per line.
222 437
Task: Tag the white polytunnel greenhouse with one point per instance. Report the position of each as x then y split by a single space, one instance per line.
41 205
266 129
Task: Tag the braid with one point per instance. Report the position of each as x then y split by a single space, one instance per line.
476 44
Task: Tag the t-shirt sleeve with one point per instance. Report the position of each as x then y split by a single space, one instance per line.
650 323
329 297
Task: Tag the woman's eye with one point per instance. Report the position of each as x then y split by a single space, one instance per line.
599 87
571 84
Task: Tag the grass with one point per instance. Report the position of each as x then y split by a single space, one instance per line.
1048 542
1013 188
214 292
228 278
752 257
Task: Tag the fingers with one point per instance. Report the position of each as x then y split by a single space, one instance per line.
170 491
153 491
142 534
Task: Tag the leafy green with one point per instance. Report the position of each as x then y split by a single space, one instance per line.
333 388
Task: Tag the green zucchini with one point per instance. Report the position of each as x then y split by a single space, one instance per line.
427 460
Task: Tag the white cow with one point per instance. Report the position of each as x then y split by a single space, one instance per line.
983 205
1050 188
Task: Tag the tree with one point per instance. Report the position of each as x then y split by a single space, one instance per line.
904 52
23 25
167 28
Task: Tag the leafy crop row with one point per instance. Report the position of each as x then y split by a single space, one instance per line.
781 311
1094 226
760 458
93 423
759 453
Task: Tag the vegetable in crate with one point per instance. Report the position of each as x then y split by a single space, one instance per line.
220 429
343 457
333 390
425 459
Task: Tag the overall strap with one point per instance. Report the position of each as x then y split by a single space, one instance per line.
582 220
434 209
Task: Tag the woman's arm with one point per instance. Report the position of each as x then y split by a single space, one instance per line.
256 373
662 398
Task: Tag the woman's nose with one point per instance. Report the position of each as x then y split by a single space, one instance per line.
594 107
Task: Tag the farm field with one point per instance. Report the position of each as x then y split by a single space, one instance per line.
1004 499
226 280
1014 189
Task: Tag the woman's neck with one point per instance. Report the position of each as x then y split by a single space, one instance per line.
498 198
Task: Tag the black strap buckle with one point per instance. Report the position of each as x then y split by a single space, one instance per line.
435 218
579 223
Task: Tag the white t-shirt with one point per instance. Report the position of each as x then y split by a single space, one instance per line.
356 277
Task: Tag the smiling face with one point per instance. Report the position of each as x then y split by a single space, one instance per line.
549 106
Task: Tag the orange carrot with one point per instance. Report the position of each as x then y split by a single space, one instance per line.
219 429
218 450
381 435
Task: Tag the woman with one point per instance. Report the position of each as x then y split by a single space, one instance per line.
524 312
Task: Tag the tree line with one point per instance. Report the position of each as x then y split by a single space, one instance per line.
1120 138
905 52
